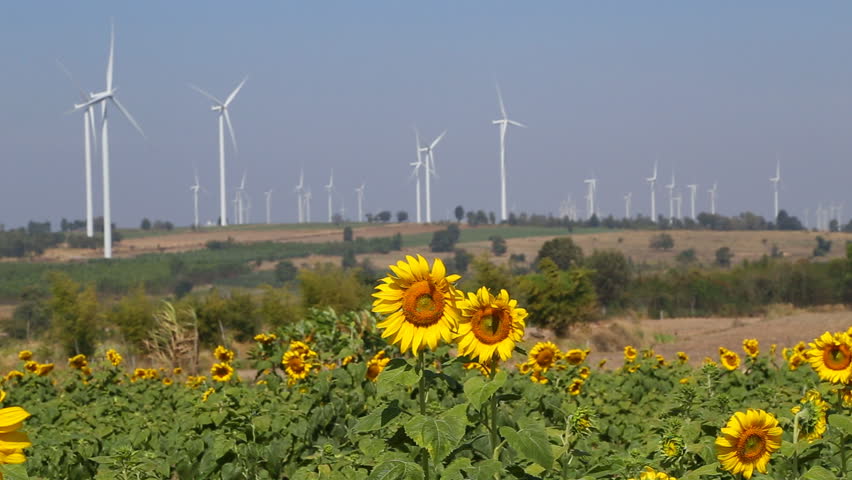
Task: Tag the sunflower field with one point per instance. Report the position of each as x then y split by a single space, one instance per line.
434 383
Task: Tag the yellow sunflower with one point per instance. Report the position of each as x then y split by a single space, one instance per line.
584 372
43 369
167 381
114 357
796 359
729 359
602 363
223 354
682 357
296 366
747 442
538 377
31 366
177 371
575 356
221 372
14 375
630 353
375 366
846 395
650 474
812 422
831 357
25 355
661 360
633 368
543 355
419 304
194 381
78 361
207 393
265 338
348 359
751 347
302 349
483 369
576 386
523 368
13 442
490 325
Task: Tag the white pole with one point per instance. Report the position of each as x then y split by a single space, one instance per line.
503 127
428 198
653 202
90 228
195 201
223 209
417 192
107 213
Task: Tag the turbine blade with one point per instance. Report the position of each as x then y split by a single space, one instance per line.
437 140
111 57
129 117
500 98
211 97
230 128
67 72
94 131
517 124
236 90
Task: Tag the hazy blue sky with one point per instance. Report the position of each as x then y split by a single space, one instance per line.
717 90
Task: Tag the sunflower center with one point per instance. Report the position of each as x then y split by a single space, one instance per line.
751 445
491 325
423 304
373 371
296 364
837 357
544 358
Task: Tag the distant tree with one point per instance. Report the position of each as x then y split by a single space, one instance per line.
662 241
461 260
337 219
146 224
285 271
471 219
348 293
562 251
370 217
498 245
513 219
492 219
610 274
455 232
31 316
724 256
787 222
481 217
401 216
442 241
594 222
459 211
347 234
348 261
823 247
687 256
384 216
73 314
557 299
833 225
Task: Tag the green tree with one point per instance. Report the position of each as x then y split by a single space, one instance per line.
558 299
459 212
461 260
31 317
724 256
348 260
401 216
347 234
285 271
74 314
561 251
498 245
146 224
278 306
219 315
327 285
687 256
610 272
662 241
134 317
487 274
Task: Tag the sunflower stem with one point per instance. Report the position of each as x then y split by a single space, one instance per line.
795 446
424 454
494 437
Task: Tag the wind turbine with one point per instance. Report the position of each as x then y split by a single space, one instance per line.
268 195
775 180
652 180
308 205
679 202
104 98
360 192
627 200
712 193
330 189
671 187
504 123
222 108
194 189
692 189
300 194
241 217
590 197
416 173
430 171
89 136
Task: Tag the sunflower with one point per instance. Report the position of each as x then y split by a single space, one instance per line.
348 359
684 380
602 363
31 366
114 357
523 368
709 361
682 357
490 325
420 306
538 377
13 442
14 375
650 474
78 361
296 365
812 421
575 356
845 395
177 371
772 348
265 338
633 368
576 386
796 359
584 372
375 366
831 357
544 355
747 442
729 359
25 355
661 360
581 422
221 372
194 381
207 393
167 381
672 446
302 349
223 354
43 369
751 347
629 354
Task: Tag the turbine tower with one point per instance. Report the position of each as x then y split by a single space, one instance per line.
104 98
692 189
300 195
627 199
238 199
775 180
308 205
268 195
89 136
416 173
679 202
504 123
712 193
652 180
360 193
194 189
330 189
590 196
222 108
671 188
430 172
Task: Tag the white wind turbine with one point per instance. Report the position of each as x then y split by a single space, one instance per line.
652 180
330 189
627 199
590 196
504 123
430 172
222 108
238 200
775 180
268 195
300 195
194 189
671 188
679 203
360 193
692 189
308 204
89 136
416 173
103 98
712 193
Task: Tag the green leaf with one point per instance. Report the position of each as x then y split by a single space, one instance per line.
14 472
478 390
530 442
395 375
397 469
486 470
454 469
439 435
818 473
841 422
378 418
699 472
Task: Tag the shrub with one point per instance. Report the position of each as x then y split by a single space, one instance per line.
285 271
724 256
563 252
498 245
610 273
662 241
